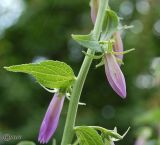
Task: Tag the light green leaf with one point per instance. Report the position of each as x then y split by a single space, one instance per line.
26 143
149 117
88 136
110 24
88 41
50 74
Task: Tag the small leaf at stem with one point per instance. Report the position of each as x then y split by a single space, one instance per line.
50 74
110 24
88 136
88 41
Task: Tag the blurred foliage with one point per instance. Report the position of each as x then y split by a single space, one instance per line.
43 32
26 143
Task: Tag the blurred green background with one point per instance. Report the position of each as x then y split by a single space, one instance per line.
35 30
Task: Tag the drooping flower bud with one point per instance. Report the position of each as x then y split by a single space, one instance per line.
51 119
94 4
118 45
114 75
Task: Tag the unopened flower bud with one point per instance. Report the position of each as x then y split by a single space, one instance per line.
94 9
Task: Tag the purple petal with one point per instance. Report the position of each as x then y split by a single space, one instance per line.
114 75
118 45
94 9
51 119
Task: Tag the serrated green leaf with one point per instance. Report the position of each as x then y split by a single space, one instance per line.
51 74
26 143
88 136
88 41
110 24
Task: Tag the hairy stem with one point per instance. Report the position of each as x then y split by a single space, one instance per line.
78 86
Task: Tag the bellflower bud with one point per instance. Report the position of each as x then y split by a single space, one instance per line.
118 45
94 4
114 75
51 119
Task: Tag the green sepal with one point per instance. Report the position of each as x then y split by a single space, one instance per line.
126 27
101 63
120 61
110 134
50 74
114 136
123 52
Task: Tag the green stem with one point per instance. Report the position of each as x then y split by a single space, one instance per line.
78 86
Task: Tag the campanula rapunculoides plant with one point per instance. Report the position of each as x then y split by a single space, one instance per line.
104 43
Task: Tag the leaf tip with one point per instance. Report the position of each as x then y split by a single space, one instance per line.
126 132
73 36
6 68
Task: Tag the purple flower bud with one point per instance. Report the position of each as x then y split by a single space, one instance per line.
94 9
114 75
51 119
118 45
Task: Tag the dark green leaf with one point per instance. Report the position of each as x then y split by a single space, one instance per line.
51 74
88 41
88 136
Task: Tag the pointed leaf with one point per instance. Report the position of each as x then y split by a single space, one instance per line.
88 136
110 24
50 74
88 41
